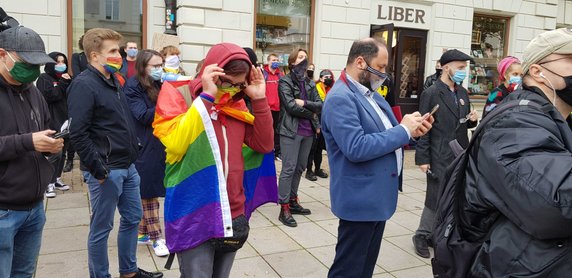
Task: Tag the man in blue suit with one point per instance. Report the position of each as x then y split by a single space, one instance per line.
364 142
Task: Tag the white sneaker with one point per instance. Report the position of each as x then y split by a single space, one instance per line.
60 185
50 191
160 248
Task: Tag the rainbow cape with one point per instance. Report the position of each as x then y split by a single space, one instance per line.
196 202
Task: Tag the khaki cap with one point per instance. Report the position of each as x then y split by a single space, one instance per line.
557 41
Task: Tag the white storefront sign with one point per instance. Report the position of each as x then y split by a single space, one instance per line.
402 14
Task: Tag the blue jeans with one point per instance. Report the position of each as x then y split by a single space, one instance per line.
20 240
121 190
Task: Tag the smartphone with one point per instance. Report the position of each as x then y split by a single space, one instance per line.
62 134
435 108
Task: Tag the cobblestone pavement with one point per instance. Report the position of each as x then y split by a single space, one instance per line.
272 250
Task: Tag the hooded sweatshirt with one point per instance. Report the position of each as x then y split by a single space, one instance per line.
259 136
53 88
272 87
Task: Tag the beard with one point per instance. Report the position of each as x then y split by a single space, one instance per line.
364 79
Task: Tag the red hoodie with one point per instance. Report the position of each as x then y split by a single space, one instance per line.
259 137
272 87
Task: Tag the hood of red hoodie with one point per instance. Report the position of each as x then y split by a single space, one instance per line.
220 54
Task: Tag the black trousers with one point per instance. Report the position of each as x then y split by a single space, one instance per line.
276 124
357 249
315 156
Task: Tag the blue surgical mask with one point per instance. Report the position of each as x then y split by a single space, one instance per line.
131 52
60 68
459 76
515 80
275 65
156 73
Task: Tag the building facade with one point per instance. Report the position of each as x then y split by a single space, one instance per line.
418 31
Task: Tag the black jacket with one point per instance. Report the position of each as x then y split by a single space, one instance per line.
430 80
519 193
54 88
433 148
290 112
102 130
24 172
79 63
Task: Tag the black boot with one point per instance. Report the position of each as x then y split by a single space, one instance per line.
420 244
310 175
69 166
321 173
286 216
296 208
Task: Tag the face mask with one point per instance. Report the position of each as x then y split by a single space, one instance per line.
328 82
310 74
132 52
438 71
376 78
566 93
299 70
275 65
60 68
515 80
172 62
223 91
22 72
156 73
459 76
113 64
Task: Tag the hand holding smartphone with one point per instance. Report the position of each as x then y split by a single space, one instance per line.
435 108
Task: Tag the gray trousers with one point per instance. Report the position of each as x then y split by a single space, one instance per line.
204 262
294 161
426 223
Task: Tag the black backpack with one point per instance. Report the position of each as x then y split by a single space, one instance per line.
454 254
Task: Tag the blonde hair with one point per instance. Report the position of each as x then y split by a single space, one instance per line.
170 50
93 39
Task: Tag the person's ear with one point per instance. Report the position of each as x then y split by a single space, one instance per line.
535 72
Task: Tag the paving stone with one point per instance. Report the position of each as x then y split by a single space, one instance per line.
326 254
330 225
405 243
415 272
271 240
408 203
406 219
393 258
65 201
69 217
246 252
75 240
296 264
317 192
63 265
252 267
394 229
319 211
258 220
309 235
271 212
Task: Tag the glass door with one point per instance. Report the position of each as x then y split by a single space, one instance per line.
409 67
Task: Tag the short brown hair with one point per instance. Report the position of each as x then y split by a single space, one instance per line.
93 39
294 55
270 56
170 50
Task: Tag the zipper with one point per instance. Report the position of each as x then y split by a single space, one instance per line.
38 173
108 150
225 152
448 230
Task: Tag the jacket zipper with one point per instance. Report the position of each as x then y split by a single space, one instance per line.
225 152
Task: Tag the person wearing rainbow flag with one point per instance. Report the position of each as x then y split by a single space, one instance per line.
219 164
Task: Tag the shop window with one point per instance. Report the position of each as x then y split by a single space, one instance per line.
282 26
488 46
125 17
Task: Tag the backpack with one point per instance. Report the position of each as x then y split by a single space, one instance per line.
454 254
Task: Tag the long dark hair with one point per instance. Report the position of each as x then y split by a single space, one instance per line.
141 63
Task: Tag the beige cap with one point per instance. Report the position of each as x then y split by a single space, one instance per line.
557 41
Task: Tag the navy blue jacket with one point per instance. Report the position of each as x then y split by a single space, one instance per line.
151 160
361 152
102 129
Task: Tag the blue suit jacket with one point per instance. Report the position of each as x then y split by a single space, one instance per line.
361 152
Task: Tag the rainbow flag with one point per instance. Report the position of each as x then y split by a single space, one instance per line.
196 202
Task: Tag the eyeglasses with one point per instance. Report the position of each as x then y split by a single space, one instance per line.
227 84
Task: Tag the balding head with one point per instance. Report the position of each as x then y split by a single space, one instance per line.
367 48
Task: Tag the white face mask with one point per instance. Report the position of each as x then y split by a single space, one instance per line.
172 62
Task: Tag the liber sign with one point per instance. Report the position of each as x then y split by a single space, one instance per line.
401 14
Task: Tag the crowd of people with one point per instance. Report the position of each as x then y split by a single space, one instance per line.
208 143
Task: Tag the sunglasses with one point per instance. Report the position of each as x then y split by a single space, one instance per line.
227 84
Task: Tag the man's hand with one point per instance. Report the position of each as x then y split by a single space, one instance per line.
66 76
299 102
473 116
425 126
424 168
45 144
256 85
412 121
209 78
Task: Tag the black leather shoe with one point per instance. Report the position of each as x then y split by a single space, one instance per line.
286 216
321 173
421 247
69 166
310 175
146 274
296 208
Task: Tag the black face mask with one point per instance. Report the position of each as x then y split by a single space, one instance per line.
328 82
566 93
299 70
310 74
